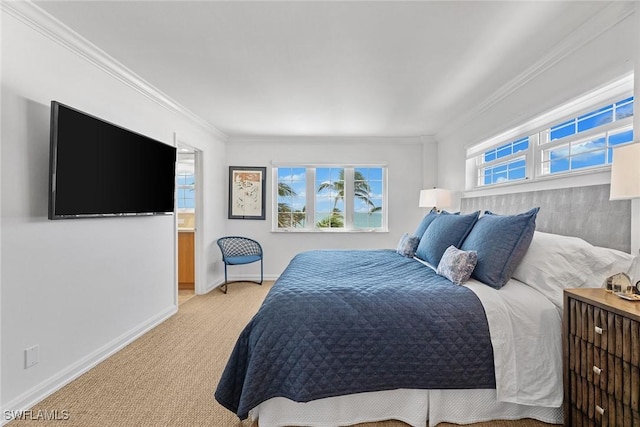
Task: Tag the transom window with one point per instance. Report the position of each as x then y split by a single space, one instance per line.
559 146
330 198
497 170
586 141
599 117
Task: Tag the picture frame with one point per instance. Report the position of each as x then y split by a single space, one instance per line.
247 192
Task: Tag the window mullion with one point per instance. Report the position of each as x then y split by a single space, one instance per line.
311 197
501 160
531 155
349 196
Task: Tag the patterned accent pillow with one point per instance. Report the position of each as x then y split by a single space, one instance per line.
457 265
407 245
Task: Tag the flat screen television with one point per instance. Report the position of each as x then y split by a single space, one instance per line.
99 169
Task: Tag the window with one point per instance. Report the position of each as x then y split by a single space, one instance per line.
291 197
558 142
185 183
602 116
500 165
330 198
586 141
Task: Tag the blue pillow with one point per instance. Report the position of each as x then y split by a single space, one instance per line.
444 231
500 241
427 220
424 224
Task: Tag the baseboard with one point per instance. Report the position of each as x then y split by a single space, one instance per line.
36 394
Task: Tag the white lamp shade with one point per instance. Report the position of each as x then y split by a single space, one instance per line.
435 197
625 172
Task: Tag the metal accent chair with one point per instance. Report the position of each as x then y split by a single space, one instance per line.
238 250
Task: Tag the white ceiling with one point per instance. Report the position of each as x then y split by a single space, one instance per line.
328 67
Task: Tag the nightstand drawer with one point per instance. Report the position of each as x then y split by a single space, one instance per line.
592 363
590 405
602 360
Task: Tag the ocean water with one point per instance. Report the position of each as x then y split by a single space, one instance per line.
365 220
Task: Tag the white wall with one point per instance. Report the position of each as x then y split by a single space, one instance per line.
407 159
578 70
80 288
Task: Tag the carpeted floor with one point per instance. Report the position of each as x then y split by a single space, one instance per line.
168 376
185 295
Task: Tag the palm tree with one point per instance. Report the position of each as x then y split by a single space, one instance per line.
361 190
285 190
334 220
291 218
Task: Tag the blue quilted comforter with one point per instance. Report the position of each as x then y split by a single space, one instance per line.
341 322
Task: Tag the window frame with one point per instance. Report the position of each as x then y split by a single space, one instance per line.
311 193
482 165
603 131
538 131
186 187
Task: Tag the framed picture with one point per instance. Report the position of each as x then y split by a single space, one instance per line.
247 192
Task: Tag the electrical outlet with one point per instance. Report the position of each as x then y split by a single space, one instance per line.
31 356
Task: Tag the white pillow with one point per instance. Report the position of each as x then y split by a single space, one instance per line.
554 262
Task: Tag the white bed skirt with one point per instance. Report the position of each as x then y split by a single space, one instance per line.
413 407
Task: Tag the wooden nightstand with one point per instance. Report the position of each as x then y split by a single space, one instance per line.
601 334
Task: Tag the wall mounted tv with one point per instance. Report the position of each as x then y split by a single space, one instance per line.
99 169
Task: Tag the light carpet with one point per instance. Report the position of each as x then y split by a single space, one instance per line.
167 377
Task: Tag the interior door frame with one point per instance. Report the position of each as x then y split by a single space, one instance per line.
199 282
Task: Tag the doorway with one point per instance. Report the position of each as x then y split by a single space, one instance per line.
186 211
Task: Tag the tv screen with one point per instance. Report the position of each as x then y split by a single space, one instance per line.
99 169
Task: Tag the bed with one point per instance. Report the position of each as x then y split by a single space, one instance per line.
353 336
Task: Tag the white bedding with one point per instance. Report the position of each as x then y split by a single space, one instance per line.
410 406
526 335
413 407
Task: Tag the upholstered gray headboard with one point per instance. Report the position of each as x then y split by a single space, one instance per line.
584 212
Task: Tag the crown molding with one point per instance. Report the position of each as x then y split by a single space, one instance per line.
602 21
30 14
351 139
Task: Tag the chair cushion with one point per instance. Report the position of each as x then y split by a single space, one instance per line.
246 259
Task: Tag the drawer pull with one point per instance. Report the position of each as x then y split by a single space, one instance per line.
599 410
598 330
597 370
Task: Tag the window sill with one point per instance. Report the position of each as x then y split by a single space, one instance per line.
330 231
527 182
